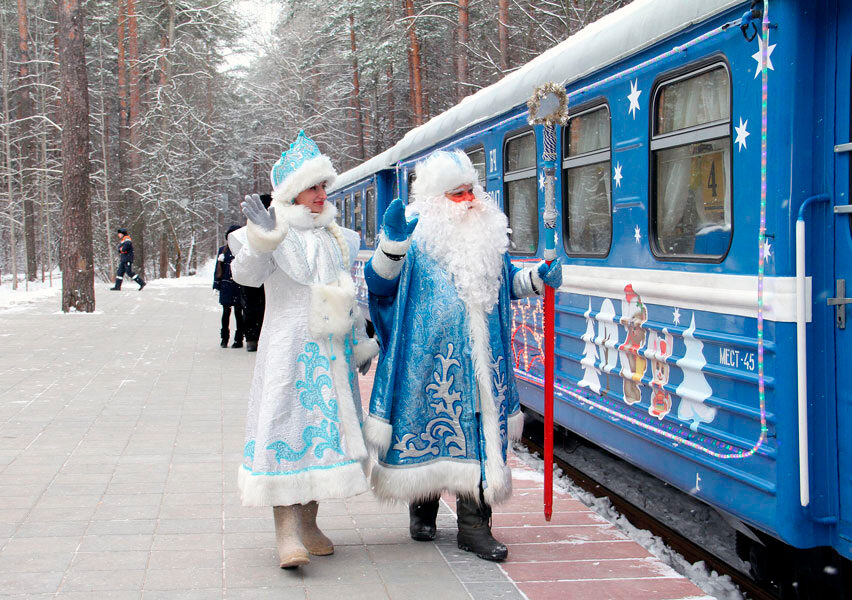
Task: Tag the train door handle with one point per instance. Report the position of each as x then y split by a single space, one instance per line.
840 302
847 147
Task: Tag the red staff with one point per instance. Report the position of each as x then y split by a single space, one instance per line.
548 108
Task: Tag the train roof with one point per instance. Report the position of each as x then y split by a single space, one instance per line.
614 37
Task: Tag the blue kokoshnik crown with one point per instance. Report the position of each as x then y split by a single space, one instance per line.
301 151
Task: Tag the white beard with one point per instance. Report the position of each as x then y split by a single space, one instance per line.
469 241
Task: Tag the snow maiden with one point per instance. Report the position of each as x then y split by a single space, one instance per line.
303 430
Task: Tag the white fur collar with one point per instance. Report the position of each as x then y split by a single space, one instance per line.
301 217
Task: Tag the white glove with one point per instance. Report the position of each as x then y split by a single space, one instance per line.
255 212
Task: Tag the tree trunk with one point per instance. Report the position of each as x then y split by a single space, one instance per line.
138 225
25 113
123 110
462 76
503 33
109 235
391 108
7 143
414 65
78 275
356 91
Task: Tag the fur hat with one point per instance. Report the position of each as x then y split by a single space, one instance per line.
299 168
441 172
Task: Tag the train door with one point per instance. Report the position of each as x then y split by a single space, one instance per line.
843 267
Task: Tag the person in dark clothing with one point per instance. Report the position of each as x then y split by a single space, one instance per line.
125 263
230 294
255 303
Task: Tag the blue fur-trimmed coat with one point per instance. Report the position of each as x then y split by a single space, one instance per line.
444 402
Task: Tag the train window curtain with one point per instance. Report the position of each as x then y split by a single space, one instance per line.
521 193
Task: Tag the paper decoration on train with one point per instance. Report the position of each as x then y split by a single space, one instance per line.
676 316
617 177
591 374
758 56
633 97
607 339
637 235
659 350
694 389
634 313
742 134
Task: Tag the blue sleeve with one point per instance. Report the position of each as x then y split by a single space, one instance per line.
379 286
513 270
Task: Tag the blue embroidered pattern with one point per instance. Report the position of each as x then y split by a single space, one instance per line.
248 451
312 396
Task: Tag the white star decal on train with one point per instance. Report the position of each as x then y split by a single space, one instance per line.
676 316
541 180
767 250
618 176
758 56
633 96
636 234
742 134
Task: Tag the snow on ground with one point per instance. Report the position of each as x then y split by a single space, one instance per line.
718 586
30 292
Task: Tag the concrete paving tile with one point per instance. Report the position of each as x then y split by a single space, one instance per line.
445 590
290 593
270 576
121 543
184 579
250 525
372 536
135 488
110 561
19 501
251 557
92 581
419 552
187 541
41 544
112 512
42 513
122 527
372 521
208 594
30 583
191 511
494 591
13 515
192 498
109 499
41 529
375 591
416 572
633 589
254 539
477 570
185 559
40 562
189 526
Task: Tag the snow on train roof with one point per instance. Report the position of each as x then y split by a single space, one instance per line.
610 39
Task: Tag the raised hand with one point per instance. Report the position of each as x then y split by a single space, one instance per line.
396 228
551 274
255 212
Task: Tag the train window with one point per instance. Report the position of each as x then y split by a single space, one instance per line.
337 205
347 210
356 212
521 193
370 216
477 157
691 162
587 216
411 178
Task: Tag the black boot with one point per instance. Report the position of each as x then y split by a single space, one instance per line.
422 517
238 343
140 281
251 346
224 343
117 286
474 522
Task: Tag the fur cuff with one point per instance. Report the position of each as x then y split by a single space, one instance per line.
264 241
392 247
364 350
377 435
516 426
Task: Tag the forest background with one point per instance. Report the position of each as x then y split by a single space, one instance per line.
190 102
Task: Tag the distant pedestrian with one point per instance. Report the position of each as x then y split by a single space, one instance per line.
230 294
254 302
125 263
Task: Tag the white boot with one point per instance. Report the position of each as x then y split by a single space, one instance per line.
313 539
291 552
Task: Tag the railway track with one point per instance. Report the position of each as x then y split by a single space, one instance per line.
691 551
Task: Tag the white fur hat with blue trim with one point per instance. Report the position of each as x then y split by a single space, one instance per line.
299 168
441 172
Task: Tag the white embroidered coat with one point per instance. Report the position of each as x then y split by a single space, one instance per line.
303 433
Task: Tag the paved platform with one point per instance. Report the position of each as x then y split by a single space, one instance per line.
120 436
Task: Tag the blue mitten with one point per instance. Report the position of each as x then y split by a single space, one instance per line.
551 274
394 225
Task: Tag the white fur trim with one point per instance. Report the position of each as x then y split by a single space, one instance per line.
384 267
421 482
364 350
301 488
263 241
392 247
516 426
377 435
312 172
332 307
441 172
538 283
498 477
350 425
301 217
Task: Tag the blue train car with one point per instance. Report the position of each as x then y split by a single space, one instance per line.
660 323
